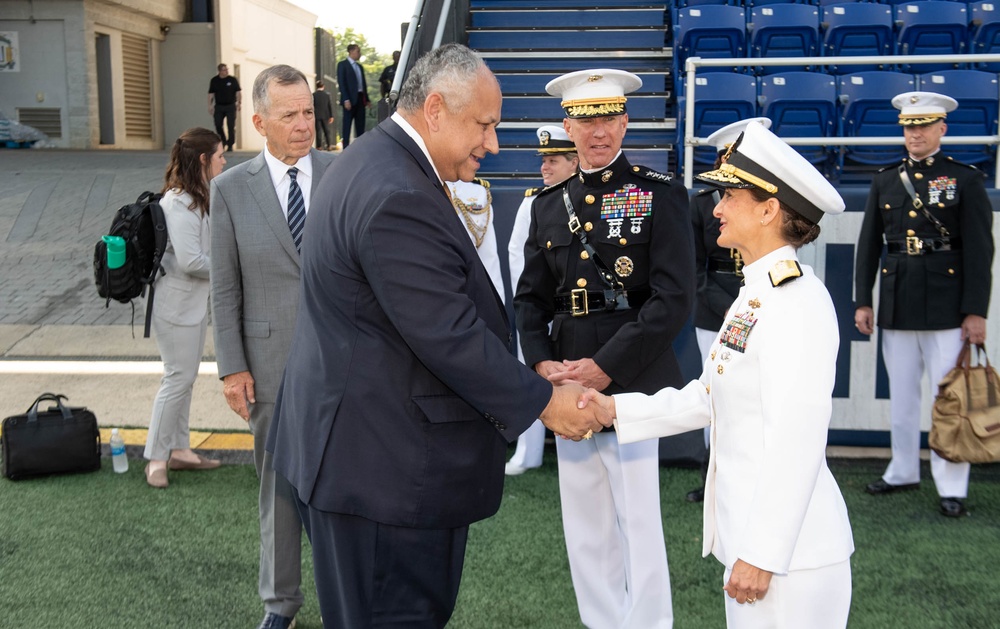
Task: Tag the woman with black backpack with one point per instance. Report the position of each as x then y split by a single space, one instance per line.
180 310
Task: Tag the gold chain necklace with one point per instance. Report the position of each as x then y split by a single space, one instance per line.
468 214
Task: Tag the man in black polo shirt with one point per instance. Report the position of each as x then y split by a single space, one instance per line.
224 102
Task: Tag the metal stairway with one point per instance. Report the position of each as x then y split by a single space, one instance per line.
527 43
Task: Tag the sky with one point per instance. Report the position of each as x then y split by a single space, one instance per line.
377 20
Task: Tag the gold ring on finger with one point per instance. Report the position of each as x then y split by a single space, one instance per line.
588 434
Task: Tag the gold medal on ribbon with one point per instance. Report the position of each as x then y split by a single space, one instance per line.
624 266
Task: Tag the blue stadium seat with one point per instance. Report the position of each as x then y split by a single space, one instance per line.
783 30
719 100
906 1
856 29
710 32
801 104
699 3
984 33
977 96
867 111
931 27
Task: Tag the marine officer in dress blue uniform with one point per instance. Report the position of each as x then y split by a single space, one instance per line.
935 279
559 163
719 269
609 265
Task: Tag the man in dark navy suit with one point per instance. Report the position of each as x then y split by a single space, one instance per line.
353 94
401 394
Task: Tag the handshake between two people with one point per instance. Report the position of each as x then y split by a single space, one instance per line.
576 410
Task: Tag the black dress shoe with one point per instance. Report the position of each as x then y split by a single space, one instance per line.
696 495
881 487
953 507
274 621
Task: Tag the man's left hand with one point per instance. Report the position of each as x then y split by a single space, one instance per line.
974 329
584 371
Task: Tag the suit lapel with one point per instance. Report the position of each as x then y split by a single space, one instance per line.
263 192
396 133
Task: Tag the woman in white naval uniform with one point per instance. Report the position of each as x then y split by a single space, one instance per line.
559 163
774 515
180 310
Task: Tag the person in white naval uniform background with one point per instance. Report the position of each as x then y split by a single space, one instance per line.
774 515
474 204
559 163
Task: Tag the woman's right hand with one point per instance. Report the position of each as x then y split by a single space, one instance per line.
592 396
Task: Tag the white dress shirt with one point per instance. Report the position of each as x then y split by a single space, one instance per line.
279 177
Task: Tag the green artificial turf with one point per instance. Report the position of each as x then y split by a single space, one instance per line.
103 550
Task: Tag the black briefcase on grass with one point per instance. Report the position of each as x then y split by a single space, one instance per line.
59 440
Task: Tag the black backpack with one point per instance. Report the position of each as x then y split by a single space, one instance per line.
144 229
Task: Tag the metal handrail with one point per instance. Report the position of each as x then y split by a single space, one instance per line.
692 63
404 54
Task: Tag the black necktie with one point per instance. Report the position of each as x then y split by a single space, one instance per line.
296 209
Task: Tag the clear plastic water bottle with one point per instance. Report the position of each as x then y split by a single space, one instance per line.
118 457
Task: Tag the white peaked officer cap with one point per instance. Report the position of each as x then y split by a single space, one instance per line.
552 140
724 137
920 108
759 159
593 93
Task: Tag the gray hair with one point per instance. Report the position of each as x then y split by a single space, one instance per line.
450 69
280 74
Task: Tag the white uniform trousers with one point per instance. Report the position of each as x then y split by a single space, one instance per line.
610 496
530 446
705 340
180 348
817 599
908 354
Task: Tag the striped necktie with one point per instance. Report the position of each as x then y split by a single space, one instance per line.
296 209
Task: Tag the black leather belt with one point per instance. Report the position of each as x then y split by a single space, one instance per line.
581 302
914 246
730 266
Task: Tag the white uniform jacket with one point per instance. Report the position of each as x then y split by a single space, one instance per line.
182 294
766 387
474 196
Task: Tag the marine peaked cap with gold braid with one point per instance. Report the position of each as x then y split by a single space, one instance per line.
594 93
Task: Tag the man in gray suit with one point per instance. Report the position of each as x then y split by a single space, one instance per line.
257 214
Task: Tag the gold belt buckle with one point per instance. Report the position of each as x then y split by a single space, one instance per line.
914 246
578 296
737 262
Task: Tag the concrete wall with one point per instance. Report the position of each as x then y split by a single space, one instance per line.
187 64
59 61
256 34
52 60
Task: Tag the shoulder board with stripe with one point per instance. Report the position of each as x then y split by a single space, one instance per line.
649 173
784 271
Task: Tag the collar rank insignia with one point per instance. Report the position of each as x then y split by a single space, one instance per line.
736 332
784 271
